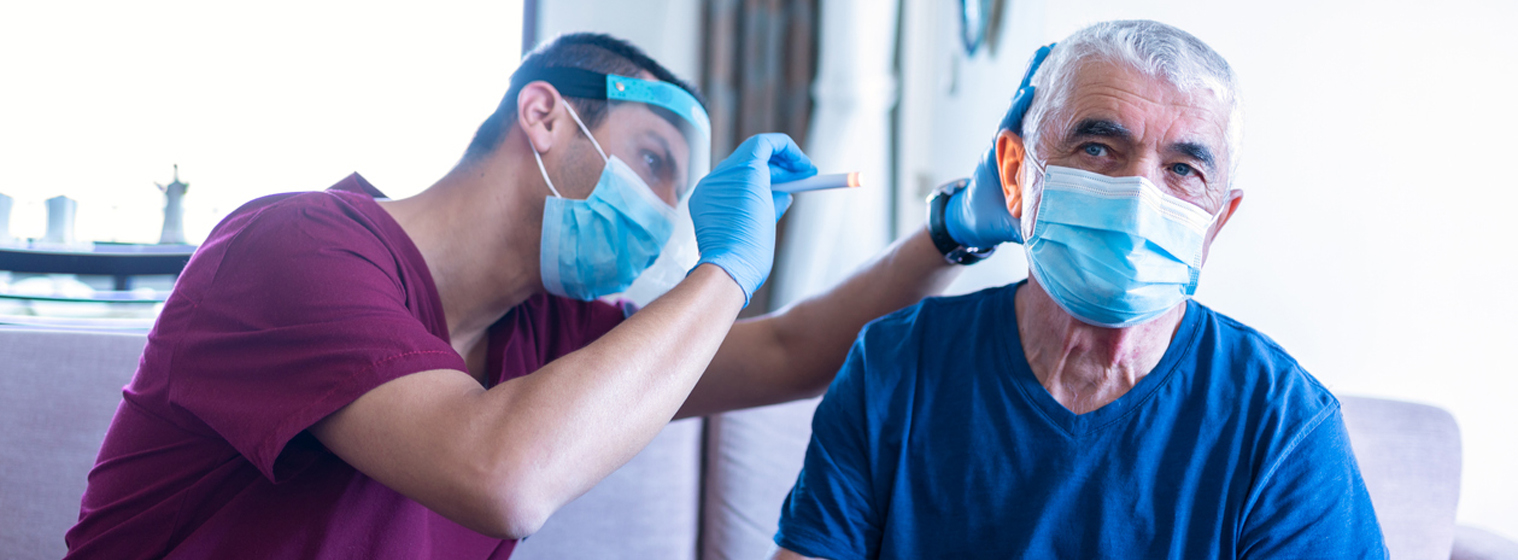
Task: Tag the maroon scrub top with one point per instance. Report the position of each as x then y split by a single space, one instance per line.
295 306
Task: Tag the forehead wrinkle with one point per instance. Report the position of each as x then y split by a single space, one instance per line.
1106 106
1115 86
1097 75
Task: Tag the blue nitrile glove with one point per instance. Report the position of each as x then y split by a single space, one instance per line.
735 212
977 216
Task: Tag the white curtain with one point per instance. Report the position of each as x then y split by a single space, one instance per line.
753 456
830 233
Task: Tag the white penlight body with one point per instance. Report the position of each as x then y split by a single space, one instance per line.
820 182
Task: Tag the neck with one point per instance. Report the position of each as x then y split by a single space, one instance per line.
479 233
1084 367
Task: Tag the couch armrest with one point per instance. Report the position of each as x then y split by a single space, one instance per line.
1477 544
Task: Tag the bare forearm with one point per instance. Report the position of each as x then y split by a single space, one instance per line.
500 461
795 352
816 333
583 416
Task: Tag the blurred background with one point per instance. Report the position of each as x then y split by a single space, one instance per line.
1374 242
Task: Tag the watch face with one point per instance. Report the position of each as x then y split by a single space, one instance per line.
968 255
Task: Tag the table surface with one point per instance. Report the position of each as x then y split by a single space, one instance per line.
104 259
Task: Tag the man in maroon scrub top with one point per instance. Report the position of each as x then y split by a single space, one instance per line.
339 375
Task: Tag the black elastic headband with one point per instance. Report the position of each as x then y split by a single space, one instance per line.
571 82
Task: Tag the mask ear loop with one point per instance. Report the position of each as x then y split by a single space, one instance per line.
583 128
1212 223
539 158
1037 170
542 170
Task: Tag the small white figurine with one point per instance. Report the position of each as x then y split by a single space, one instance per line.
173 210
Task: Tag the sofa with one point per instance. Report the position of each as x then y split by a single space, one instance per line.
705 488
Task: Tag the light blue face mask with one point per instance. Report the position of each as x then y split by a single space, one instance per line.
1115 251
598 246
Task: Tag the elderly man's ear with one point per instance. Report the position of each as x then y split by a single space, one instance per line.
1009 161
1230 205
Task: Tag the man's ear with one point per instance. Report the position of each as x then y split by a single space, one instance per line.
1231 205
1235 197
1010 155
537 104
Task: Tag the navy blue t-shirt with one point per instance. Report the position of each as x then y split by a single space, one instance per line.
936 440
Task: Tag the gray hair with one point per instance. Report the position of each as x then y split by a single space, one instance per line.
1155 49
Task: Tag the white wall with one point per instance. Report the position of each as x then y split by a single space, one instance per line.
1375 240
668 30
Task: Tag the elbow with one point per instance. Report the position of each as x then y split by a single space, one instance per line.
822 380
816 383
518 522
512 515
808 369
814 388
503 502
806 386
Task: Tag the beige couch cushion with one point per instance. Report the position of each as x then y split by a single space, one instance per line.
646 509
1409 456
58 392
752 459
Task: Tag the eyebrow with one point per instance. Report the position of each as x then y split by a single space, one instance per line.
1195 151
1101 128
1104 128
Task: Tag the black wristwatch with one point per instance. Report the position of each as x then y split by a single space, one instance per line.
938 229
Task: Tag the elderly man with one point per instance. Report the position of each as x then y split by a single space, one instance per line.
1091 411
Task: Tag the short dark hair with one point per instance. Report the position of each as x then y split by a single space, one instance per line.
596 52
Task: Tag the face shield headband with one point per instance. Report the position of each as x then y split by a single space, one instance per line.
673 104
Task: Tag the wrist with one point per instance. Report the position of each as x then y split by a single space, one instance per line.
709 272
740 272
959 221
940 228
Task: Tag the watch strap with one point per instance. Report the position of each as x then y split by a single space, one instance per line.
938 229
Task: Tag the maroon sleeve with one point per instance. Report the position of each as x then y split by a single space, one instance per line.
309 309
585 321
545 328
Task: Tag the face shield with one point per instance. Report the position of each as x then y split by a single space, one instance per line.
664 135
660 130
664 130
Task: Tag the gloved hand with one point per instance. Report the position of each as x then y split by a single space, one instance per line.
977 216
735 212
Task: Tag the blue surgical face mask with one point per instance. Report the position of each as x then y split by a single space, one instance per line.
1114 251
598 246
